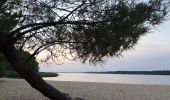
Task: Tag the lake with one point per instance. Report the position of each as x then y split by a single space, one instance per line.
113 78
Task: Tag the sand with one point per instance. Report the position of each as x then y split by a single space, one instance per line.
19 89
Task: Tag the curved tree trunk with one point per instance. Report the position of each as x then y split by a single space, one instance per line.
30 75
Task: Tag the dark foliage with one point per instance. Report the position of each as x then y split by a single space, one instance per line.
48 74
5 65
85 29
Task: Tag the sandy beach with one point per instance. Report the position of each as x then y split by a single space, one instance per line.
19 89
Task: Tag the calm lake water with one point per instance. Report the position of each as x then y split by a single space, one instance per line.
113 78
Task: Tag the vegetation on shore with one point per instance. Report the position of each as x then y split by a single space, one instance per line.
166 72
14 74
48 74
7 71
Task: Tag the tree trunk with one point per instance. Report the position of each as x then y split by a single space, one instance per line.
30 75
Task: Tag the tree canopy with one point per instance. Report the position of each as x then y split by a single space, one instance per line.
84 29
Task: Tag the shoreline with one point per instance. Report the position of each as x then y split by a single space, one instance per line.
19 89
52 81
110 83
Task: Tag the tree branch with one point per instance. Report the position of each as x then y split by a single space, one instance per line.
31 25
83 2
37 26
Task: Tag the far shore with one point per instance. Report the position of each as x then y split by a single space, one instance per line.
156 72
19 89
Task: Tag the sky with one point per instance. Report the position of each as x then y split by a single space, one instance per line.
152 52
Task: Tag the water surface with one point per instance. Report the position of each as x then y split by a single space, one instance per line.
113 78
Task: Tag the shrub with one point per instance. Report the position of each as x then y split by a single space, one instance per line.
11 74
48 74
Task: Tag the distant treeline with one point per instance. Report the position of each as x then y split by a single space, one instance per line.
135 72
14 74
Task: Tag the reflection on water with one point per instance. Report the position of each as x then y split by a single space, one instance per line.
113 78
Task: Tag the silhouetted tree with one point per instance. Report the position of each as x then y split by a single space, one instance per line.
87 30
4 64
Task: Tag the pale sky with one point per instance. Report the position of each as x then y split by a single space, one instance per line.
151 53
